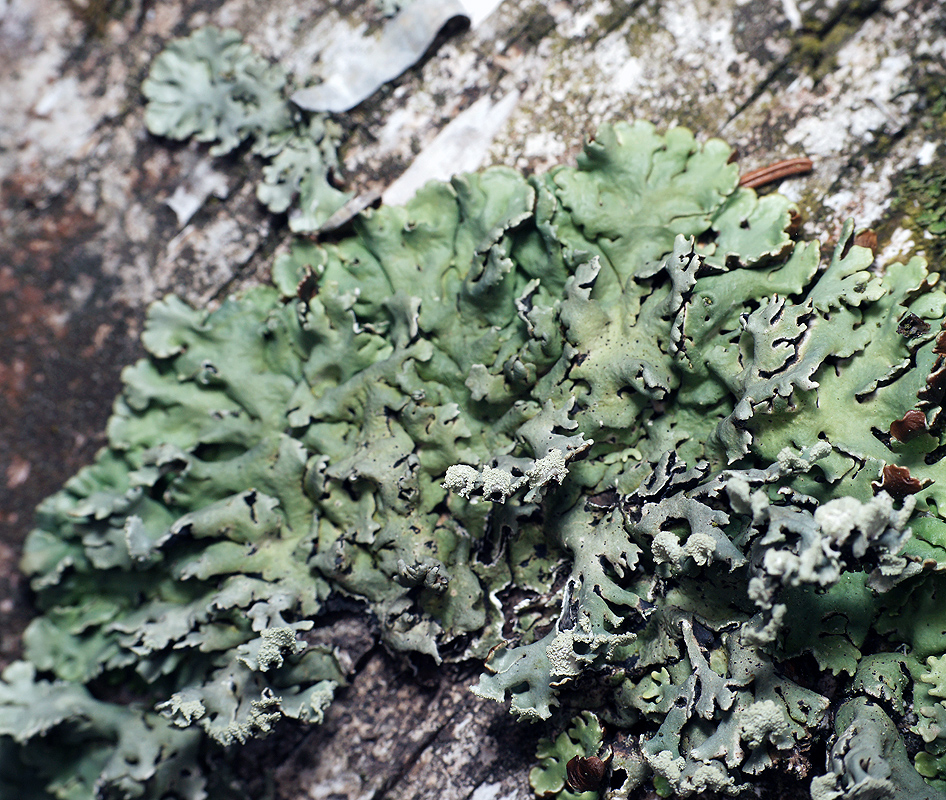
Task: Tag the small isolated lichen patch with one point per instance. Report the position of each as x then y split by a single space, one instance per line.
624 380
215 88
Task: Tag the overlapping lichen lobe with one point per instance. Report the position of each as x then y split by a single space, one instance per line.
867 238
933 395
939 348
909 427
584 774
603 501
898 482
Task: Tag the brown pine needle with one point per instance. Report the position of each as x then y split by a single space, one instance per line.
775 172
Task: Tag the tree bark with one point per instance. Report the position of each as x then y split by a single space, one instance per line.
87 241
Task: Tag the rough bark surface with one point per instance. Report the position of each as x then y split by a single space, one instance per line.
87 241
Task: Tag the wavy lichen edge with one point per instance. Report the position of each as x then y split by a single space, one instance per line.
649 373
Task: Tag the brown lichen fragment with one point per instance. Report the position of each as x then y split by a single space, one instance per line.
935 390
605 500
898 483
912 326
940 347
794 223
584 774
909 427
868 238
933 395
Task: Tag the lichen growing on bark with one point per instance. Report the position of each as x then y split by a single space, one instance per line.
622 383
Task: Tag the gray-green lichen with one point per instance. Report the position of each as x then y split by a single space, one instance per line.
622 385
213 87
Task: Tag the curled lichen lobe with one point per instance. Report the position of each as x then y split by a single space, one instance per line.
584 774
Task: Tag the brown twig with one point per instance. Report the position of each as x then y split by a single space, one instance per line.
775 172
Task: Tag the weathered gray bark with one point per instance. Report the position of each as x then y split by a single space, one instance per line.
87 241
